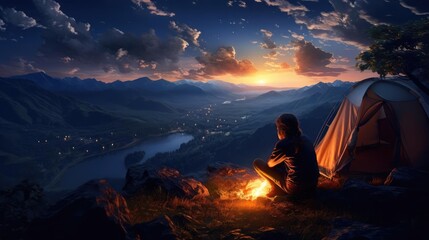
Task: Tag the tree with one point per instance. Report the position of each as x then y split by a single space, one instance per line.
399 50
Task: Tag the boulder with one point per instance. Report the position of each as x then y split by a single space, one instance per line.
164 181
408 178
361 194
19 205
344 229
92 211
161 228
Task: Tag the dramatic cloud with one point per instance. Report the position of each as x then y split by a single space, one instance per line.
2 24
147 47
286 6
345 23
416 7
221 62
312 61
152 8
18 18
112 51
267 42
187 33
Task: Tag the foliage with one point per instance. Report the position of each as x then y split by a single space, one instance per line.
399 50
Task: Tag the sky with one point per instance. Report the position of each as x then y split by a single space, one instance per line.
257 42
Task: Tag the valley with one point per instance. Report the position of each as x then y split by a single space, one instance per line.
57 123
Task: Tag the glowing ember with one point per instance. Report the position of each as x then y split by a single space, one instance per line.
255 189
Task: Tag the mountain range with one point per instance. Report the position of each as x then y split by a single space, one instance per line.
71 84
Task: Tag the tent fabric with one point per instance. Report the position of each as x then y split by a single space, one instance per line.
379 125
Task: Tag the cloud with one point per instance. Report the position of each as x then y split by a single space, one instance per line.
121 53
286 6
313 61
347 20
66 59
147 47
266 33
277 66
271 55
19 66
340 27
113 51
73 71
416 7
267 42
297 36
242 4
152 8
18 18
221 62
187 33
285 65
58 21
2 24
239 3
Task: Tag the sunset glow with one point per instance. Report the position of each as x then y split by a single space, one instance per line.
283 44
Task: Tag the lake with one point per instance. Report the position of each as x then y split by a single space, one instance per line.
112 165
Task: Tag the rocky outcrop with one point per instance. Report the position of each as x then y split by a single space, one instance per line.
344 229
409 178
92 211
161 228
162 182
263 233
19 205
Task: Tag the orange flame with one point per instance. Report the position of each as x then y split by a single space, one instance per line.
255 189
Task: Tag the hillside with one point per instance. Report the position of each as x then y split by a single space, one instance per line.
24 103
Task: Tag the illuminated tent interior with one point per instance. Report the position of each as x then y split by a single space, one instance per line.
380 125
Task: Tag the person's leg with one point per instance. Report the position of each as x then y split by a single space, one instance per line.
275 176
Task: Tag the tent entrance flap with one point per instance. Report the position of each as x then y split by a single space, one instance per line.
375 148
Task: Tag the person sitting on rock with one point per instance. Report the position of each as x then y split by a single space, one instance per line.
292 167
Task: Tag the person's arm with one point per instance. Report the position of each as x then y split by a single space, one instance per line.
277 156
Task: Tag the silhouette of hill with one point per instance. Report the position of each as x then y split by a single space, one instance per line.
24 103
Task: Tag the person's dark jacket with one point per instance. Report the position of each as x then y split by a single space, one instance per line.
300 160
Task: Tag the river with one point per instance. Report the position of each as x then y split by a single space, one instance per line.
112 165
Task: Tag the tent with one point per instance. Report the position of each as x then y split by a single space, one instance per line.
381 124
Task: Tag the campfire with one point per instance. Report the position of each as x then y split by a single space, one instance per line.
254 189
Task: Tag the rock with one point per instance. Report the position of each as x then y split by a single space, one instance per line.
408 178
161 228
344 229
19 205
134 158
165 181
236 234
267 233
188 226
362 194
92 211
